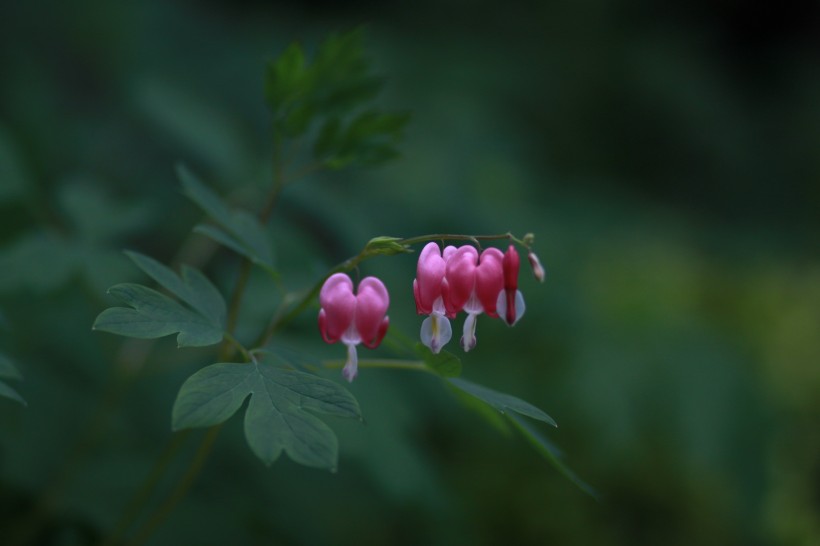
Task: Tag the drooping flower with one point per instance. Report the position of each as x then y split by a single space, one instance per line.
538 270
510 302
474 283
353 318
430 290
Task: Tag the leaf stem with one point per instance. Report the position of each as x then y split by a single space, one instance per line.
247 354
234 306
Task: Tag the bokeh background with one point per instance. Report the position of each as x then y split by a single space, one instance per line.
664 154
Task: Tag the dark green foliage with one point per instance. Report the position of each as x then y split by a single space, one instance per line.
276 419
151 314
330 93
235 229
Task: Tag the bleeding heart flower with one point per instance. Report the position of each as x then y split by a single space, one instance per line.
510 303
353 319
430 289
474 283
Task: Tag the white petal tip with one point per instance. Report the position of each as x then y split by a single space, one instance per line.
436 332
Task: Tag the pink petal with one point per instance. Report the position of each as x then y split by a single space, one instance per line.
489 279
338 307
429 274
375 341
460 277
371 305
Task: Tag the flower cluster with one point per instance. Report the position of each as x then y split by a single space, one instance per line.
447 282
461 279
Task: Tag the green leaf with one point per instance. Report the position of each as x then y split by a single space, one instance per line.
246 235
284 78
340 74
193 287
152 315
297 120
372 123
496 420
545 448
444 363
367 140
328 139
500 401
386 246
7 369
275 419
331 92
8 392
219 235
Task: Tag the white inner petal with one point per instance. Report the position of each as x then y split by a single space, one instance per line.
436 332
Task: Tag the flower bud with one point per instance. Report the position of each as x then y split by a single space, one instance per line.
537 269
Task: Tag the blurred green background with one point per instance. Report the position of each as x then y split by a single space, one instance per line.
664 154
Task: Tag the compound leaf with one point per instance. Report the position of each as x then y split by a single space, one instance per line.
276 419
193 287
151 315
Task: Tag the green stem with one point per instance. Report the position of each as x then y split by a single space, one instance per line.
234 306
245 353
384 363
160 514
179 492
278 180
456 237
